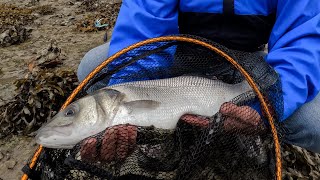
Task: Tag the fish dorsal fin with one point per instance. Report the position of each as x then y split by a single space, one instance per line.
138 106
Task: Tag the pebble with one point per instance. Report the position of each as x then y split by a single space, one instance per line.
37 15
78 3
115 1
70 3
38 22
10 164
7 157
52 56
33 143
66 22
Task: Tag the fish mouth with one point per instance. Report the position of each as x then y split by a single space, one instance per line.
62 131
55 146
49 132
54 138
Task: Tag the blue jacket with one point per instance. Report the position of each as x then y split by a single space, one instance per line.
293 36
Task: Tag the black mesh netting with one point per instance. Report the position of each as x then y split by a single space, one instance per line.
200 146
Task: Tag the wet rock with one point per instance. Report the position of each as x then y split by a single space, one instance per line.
5 38
10 164
14 35
48 56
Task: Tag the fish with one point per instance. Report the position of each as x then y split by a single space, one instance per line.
159 103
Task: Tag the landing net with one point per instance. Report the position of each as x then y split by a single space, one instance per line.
213 148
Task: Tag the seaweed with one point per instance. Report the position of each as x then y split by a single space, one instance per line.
39 95
13 22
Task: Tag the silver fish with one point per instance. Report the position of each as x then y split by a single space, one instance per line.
159 103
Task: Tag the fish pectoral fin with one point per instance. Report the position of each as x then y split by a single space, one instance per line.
141 105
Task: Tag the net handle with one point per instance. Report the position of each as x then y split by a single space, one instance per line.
189 40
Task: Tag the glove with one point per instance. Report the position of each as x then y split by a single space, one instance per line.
241 119
117 142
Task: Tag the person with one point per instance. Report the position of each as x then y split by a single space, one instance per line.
291 29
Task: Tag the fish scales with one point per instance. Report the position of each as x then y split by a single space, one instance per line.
177 96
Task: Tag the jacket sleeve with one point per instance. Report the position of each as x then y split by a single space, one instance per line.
139 20
143 19
294 51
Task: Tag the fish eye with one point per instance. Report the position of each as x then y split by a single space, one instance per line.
70 111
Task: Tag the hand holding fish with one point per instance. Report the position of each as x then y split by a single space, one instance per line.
242 119
119 141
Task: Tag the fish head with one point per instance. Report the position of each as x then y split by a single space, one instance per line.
83 118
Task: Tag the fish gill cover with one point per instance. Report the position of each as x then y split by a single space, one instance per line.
212 148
